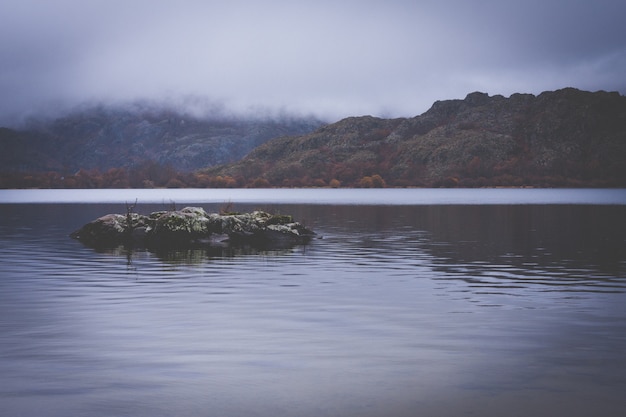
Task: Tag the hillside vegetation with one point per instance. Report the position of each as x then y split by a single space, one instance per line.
562 138
566 137
101 138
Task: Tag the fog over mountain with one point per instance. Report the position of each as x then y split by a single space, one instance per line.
331 59
105 137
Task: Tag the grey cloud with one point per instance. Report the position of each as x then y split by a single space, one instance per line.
331 58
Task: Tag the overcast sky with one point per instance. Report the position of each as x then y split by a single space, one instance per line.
331 58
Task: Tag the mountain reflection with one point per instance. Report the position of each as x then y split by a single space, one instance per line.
572 241
497 245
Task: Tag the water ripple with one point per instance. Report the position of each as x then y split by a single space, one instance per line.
397 305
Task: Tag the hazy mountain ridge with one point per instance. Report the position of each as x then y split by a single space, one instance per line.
564 137
103 138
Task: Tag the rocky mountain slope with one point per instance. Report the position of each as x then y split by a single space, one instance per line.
106 137
565 137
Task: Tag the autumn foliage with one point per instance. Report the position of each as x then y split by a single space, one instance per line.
166 177
566 138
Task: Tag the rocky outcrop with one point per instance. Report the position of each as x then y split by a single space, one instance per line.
564 137
193 226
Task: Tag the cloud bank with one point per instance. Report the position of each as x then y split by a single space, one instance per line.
328 58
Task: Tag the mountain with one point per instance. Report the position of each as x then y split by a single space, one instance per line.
115 137
566 137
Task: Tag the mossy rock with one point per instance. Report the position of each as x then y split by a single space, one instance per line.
279 219
193 226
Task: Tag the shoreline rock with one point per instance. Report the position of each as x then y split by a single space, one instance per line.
192 226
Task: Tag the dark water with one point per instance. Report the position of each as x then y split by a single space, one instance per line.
429 310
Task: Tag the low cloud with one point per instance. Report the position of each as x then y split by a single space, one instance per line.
332 59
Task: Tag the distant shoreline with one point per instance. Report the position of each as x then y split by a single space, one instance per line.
337 196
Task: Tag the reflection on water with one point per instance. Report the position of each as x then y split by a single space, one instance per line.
197 254
404 310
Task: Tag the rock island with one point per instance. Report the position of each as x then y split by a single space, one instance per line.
194 226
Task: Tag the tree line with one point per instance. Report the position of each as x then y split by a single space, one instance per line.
154 175
164 177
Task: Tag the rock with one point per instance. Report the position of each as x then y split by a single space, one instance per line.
193 226
566 135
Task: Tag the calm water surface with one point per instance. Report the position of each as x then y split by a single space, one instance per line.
399 310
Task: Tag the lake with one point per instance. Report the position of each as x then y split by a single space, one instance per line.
495 302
